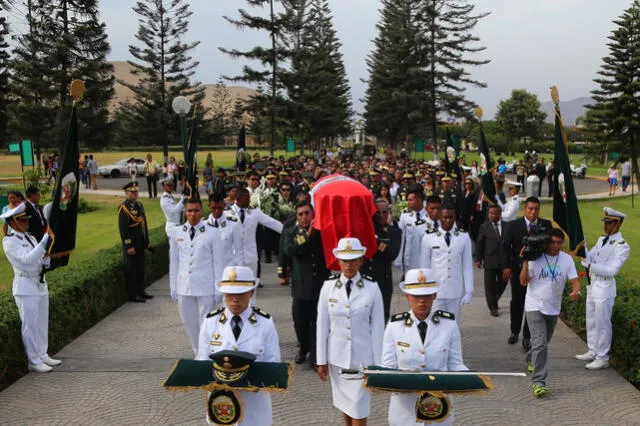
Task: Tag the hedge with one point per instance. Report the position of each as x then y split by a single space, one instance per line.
80 295
625 347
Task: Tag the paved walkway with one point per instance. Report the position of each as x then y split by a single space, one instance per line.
112 375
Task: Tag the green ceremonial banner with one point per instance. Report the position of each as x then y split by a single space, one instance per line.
419 145
291 145
26 151
486 172
14 148
452 155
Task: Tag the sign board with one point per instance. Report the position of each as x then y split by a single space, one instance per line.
14 148
419 145
26 152
291 145
614 156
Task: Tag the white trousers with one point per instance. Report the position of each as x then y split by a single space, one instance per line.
599 331
34 315
193 311
450 305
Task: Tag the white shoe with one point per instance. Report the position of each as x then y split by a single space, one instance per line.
586 357
51 362
40 368
597 364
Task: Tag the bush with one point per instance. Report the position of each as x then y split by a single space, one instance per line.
80 295
36 178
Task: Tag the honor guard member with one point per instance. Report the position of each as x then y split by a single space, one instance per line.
134 234
229 230
603 262
195 263
447 252
413 224
27 257
239 327
423 339
511 207
448 193
349 330
171 208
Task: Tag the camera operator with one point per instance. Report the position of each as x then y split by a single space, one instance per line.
511 262
546 277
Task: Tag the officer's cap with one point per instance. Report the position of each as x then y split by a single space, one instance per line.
374 172
407 175
446 179
167 181
131 187
271 176
349 249
231 366
611 215
237 280
283 173
419 282
18 212
512 183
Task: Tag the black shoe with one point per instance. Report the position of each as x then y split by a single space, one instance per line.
301 357
513 338
526 344
494 313
147 295
137 299
313 366
260 286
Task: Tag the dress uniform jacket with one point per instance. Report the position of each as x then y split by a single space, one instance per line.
259 337
309 270
606 261
196 265
132 222
231 238
412 231
403 349
510 208
252 218
349 330
172 211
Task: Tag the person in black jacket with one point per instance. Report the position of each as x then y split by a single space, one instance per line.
389 239
37 223
303 244
488 257
511 263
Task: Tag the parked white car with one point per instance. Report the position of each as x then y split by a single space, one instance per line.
121 168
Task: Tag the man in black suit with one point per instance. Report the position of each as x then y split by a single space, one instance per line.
541 172
38 223
488 256
511 263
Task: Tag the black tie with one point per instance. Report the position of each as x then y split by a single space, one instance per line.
192 233
435 225
606 238
417 216
28 238
495 225
348 287
447 238
422 327
237 327
215 224
242 215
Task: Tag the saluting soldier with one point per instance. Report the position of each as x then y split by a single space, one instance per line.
603 262
134 234
512 205
447 252
238 327
27 257
349 331
422 339
171 208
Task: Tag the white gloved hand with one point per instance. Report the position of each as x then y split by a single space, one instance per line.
174 295
467 298
585 263
46 261
497 198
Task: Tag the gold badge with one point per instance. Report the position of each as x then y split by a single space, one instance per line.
227 364
233 275
348 246
421 277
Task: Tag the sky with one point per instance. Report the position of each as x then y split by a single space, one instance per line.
532 44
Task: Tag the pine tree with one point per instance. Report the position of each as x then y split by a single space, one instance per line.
222 110
4 79
165 68
616 111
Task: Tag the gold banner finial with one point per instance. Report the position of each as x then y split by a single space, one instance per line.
76 90
479 112
554 95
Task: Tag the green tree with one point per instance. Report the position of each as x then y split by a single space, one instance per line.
521 118
165 69
4 79
222 111
616 111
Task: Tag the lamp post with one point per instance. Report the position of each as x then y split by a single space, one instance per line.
181 106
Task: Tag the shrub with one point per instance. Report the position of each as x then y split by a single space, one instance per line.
80 295
36 178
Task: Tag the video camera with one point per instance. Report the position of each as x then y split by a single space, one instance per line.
535 246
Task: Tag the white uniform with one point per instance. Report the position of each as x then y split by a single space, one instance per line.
606 261
413 228
252 218
231 236
403 349
510 208
349 334
452 265
194 270
259 337
26 256
172 210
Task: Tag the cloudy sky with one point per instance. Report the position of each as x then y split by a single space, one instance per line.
532 44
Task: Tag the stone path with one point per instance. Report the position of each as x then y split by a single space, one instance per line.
112 375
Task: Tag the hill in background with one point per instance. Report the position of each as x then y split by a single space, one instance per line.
122 94
570 110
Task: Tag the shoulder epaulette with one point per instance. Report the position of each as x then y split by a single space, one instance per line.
232 218
406 211
214 313
367 277
260 312
445 314
400 317
622 242
334 277
228 208
431 231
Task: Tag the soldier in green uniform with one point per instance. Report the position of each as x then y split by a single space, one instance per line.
135 240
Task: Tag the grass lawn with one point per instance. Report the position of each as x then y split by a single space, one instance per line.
96 230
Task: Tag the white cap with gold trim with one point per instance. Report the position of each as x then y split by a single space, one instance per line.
349 249
419 282
237 280
611 215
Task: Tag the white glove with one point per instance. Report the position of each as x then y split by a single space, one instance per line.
174 295
467 298
46 261
497 197
585 263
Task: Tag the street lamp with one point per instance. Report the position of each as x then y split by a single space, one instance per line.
181 106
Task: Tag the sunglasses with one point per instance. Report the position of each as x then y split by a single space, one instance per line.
285 190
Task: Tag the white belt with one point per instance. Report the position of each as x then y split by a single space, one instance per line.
25 274
595 277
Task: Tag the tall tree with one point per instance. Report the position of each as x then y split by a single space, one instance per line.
222 111
165 69
617 107
4 78
520 117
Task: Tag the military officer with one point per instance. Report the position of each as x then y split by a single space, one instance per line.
603 262
449 193
511 207
171 208
195 263
239 327
134 234
27 257
422 339
229 230
447 251
413 223
349 330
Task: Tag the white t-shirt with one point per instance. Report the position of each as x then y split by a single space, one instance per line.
626 168
548 277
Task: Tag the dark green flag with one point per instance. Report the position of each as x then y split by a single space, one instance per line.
565 203
452 156
241 155
486 170
63 219
191 163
